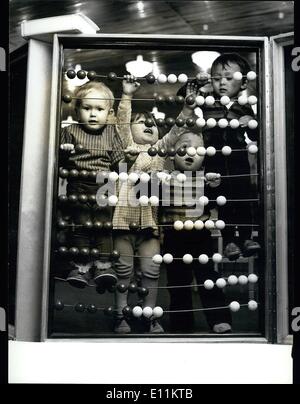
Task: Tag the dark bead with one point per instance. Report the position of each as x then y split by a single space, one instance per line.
132 288
91 308
160 122
181 151
74 173
179 99
149 122
62 198
74 251
92 198
179 122
152 151
170 99
190 122
112 76
150 78
133 226
98 225
109 311
73 198
108 225
59 305
95 252
79 307
83 198
63 173
85 251
127 311
171 152
71 74
63 250
190 99
81 74
143 291
162 152
91 75
62 224
159 99
122 288
79 148
93 174
115 255
170 122
83 173
111 288
88 224
67 98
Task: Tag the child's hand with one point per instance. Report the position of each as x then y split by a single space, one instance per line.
192 89
213 179
131 154
68 147
203 79
244 120
130 84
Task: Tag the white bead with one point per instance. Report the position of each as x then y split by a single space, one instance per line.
147 312
220 224
144 200
168 258
200 122
251 75
208 284
209 224
252 124
217 258
209 100
188 225
137 311
187 258
178 225
157 259
234 306
252 305
123 176
201 151
252 148
200 100
237 76
144 177
203 259
182 78
252 278
154 201
242 100
222 123
225 100
232 280
226 150
162 78
133 177
252 100
221 283
211 123
112 200
113 176
198 225
243 280
221 200
157 312
172 78
211 151
181 177
191 151
234 123
203 200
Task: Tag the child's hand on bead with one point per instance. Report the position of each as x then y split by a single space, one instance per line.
130 84
213 179
131 153
68 147
244 120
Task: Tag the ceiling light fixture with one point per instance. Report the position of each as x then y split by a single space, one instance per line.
204 59
139 67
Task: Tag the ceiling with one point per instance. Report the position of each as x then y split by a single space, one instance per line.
254 18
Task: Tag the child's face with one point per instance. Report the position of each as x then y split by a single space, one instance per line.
223 83
141 133
92 112
188 163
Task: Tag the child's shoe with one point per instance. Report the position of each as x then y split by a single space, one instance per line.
121 326
104 275
222 328
250 248
80 275
232 251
